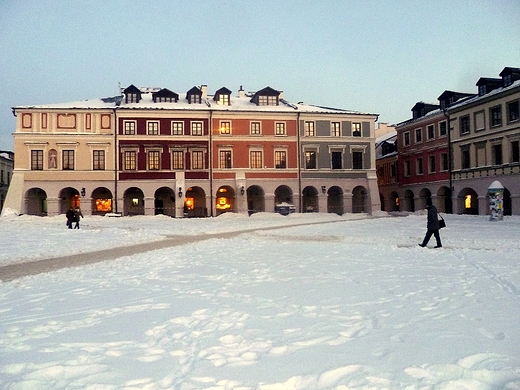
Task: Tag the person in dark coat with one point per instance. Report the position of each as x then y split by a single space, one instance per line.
432 225
77 216
70 217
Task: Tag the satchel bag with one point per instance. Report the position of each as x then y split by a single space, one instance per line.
442 223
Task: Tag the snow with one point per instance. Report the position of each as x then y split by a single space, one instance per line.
304 301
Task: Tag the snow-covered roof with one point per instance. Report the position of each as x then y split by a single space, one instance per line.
477 98
236 104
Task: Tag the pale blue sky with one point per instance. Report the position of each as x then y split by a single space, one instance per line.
367 55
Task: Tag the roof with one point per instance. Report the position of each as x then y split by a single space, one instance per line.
237 104
477 98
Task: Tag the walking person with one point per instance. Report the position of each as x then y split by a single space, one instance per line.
432 225
77 216
70 217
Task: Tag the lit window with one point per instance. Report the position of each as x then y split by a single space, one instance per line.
196 128
177 128
177 159
225 159
335 129
153 128
197 160
467 202
255 159
255 128
153 160
129 127
309 129
280 159
130 159
104 205
280 128
225 127
223 99
267 100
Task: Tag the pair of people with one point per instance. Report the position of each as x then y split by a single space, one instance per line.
73 215
432 225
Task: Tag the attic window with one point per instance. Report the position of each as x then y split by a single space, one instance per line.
132 98
482 89
194 99
223 100
267 100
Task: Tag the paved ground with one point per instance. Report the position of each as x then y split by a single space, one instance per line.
14 271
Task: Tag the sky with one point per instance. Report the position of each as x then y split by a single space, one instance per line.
310 301
373 56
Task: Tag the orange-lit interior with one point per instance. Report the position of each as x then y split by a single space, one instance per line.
190 204
104 205
467 202
223 203
75 202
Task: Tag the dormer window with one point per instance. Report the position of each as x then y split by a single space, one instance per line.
266 97
194 96
132 94
482 89
509 76
165 96
222 96
486 85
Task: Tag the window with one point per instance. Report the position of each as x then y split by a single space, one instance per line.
495 114
406 137
67 162
513 111
443 129
418 135
223 99
255 159
177 159
497 154
130 159
357 160
267 100
197 159
194 98
407 169
335 129
280 159
465 158
177 128
153 128
225 159
309 129
280 128
153 160
431 131
196 128
356 129
464 125
255 128
98 160
310 160
37 160
336 160
515 151
129 127
444 161
225 127
419 167
431 164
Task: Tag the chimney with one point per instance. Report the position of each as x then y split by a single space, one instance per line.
241 92
204 90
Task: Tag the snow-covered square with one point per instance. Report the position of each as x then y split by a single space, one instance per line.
305 301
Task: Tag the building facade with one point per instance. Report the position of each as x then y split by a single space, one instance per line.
485 144
6 171
387 167
151 151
